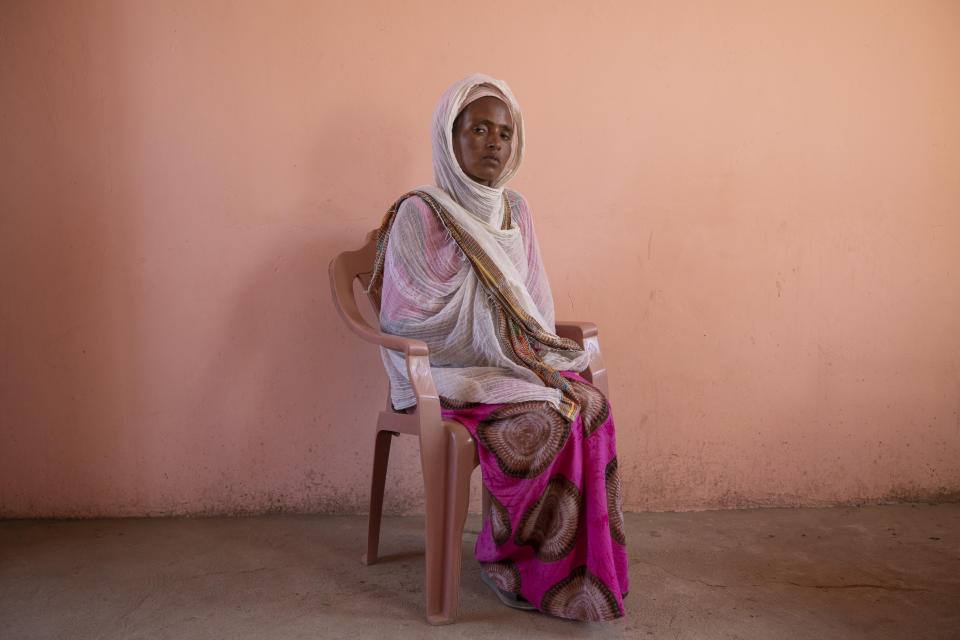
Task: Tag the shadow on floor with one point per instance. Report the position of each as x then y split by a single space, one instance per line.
870 572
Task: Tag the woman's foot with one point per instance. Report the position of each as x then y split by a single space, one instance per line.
514 600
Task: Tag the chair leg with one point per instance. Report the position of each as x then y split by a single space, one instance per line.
444 559
462 453
381 454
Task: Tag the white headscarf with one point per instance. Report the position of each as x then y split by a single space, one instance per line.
480 200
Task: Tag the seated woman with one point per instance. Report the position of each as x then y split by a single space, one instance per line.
459 267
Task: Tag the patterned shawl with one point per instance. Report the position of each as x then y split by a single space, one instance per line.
486 322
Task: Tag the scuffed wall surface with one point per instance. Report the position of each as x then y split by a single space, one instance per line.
758 203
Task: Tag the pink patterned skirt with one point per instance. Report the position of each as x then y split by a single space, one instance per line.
555 533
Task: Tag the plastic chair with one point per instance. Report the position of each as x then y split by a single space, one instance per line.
448 453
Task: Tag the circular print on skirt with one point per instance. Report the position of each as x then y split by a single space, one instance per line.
524 437
615 503
594 409
500 527
581 596
551 523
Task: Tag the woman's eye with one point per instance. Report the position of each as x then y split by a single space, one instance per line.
479 130
505 136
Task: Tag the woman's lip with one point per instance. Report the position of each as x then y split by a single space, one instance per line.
494 158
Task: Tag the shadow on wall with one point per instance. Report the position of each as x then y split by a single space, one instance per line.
170 349
68 250
263 409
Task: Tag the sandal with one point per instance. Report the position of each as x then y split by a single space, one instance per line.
513 600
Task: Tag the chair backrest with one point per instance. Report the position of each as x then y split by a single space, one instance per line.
344 270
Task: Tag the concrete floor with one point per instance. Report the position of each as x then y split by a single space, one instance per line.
872 572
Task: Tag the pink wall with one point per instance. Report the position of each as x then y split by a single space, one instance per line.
759 204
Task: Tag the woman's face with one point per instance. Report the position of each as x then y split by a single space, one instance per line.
483 138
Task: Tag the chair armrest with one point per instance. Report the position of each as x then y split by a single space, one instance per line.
343 270
586 335
576 331
408 346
